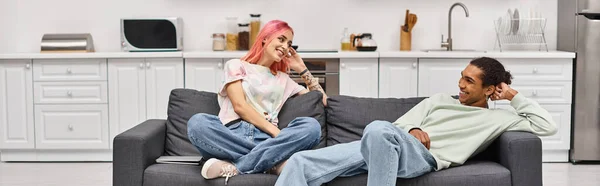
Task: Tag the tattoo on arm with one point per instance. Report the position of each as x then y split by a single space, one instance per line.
312 83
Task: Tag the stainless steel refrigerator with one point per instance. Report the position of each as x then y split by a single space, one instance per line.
579 31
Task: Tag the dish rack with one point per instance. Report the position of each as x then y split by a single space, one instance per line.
520 33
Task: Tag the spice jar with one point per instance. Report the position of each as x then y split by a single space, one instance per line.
232 33
243 37
218 42
254 27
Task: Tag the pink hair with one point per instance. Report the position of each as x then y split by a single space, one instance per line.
270 31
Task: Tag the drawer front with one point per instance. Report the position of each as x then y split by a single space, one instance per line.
539 69
69 69
70 92
561 114
544 92
71 126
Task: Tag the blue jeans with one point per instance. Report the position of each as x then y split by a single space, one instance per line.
248 148
385 151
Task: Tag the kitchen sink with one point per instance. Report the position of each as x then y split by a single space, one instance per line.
454 50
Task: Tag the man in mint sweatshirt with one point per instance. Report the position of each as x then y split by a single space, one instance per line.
437 133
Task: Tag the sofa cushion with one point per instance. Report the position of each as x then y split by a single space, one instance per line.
309 104
189 175
472 173
184 103
348 116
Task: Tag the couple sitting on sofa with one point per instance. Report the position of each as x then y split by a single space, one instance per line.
438 133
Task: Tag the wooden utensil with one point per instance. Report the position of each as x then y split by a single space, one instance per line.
405 27
406 32
412 20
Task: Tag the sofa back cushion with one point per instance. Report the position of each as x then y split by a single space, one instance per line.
184 103
348 116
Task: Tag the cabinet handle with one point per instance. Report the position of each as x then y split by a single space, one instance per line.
220 65
148 65
69 70
343 65
70 94
414 65
141 65
535 93
27 66
535 70
70 127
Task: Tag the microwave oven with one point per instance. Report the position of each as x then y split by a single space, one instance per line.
152 34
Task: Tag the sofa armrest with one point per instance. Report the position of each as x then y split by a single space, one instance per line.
521 153
136 149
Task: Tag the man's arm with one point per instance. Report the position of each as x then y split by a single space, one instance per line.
414 117
536 119
411 121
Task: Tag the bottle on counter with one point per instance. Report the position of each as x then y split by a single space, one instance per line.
254 27
218 42
243 37
346 40
232 33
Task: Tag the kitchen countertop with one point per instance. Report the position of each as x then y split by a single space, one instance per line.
238 54
90 55
493 54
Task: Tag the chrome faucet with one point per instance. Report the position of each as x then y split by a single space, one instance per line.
448 43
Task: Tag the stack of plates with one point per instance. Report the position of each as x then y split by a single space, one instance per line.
520 22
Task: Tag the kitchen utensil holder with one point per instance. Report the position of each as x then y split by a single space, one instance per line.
528 32
405 40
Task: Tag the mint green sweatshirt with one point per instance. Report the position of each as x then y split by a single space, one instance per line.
458 132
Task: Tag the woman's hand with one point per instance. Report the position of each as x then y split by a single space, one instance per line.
296 62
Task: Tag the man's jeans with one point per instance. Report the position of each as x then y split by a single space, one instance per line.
385 151
250 149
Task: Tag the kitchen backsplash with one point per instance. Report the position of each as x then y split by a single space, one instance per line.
318 24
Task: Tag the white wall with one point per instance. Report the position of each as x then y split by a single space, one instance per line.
317 23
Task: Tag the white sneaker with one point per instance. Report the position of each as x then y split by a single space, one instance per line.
215 168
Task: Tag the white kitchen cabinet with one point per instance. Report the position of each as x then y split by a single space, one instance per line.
440 76
139 89
204 74
16 105
162 76
544 92
71 126
539 69
127 94
549 83
70 92
398 77
69 69
359 77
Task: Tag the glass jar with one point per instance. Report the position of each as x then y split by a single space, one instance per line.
243 37
254 27
218 42
232 33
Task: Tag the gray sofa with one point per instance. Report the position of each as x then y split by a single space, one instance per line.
514 159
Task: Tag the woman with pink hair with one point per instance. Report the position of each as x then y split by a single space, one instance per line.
244 137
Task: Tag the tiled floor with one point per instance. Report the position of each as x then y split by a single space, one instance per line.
100 174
